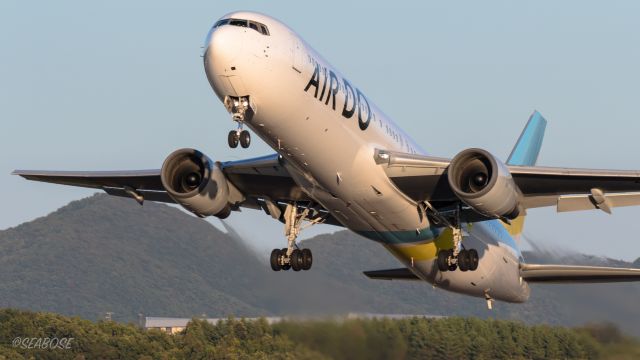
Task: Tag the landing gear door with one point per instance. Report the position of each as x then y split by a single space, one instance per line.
297 54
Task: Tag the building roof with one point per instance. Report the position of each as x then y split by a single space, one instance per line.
164 322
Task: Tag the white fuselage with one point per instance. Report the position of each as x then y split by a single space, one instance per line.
328 130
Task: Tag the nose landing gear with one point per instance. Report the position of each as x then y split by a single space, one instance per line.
241 110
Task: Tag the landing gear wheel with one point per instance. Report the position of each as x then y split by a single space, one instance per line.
275 260
452 266
296 260
464 261
233 139
307 259
245 139
286 266
442 260
474 259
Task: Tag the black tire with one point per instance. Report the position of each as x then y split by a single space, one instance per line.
245 139
442 260
307 259
296 260
233 139
274 260
224 213
464 260
474 259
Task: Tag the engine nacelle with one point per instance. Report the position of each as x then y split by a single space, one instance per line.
484 183
194 181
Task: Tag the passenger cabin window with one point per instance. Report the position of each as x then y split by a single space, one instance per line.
261 28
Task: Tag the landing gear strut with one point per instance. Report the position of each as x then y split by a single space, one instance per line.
292 257
241 110
458 257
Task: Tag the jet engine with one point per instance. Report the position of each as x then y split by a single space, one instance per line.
483 182
194 181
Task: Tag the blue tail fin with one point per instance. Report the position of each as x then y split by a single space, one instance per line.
526 150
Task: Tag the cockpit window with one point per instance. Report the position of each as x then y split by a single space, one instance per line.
261 28
238 22
221 22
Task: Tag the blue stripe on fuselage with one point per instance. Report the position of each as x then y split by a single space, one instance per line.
500 234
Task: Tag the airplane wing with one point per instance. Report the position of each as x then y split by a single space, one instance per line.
259 180
576 274
424 178
118 183
538 274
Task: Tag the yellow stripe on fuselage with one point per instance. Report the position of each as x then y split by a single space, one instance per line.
429 249
422 251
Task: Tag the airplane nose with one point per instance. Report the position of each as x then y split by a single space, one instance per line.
222 46
223 60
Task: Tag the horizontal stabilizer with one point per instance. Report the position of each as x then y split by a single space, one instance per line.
576 274
391 274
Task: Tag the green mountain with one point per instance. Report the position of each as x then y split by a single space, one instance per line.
104 254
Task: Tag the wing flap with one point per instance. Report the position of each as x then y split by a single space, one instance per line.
264 177
391 274
589 202
576 274
147 195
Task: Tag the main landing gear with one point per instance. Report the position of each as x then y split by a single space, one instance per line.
292 257
458 257
241 111
467 260
298 260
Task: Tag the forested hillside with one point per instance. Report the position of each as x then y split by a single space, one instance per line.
453 338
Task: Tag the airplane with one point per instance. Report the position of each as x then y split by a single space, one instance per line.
340 160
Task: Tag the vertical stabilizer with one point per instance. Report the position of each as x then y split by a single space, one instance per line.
526 150
525 153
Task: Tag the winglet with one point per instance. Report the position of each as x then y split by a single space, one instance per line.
526 150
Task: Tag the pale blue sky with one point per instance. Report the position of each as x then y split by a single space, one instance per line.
120 84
